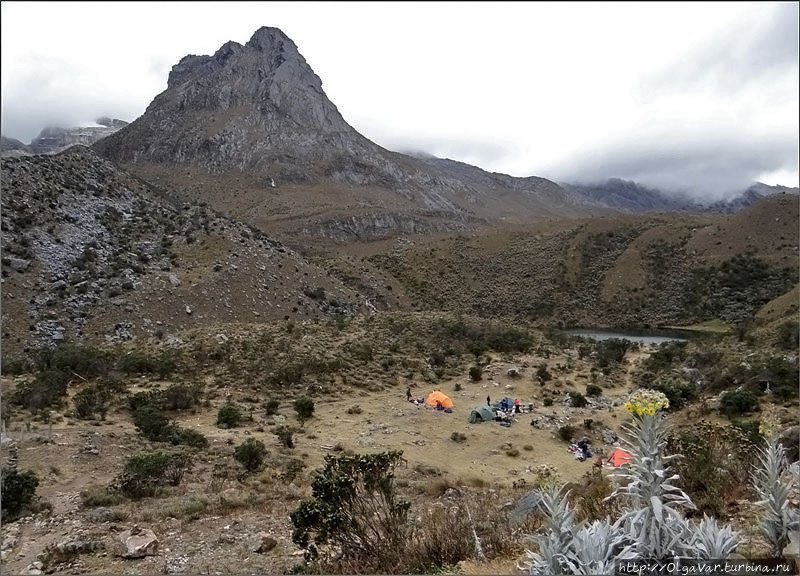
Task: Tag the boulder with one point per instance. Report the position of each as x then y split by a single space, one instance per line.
264 543
19 264
101 514
136 543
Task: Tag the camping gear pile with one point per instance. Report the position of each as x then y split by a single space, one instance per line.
581 449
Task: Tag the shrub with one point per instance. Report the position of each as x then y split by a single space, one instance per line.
512 452
47 390
788 337
181 396
593 390
577 400
458 437
304 406
229 416
271 406
475 373
145 473
17 492
138 362
542 375
84 360
16 365
677 391
737 402
152 423
714 467
355 507
250 454
566 433
354 409
188 437
285 435
91 402
611 351
547 401
665 356
457 387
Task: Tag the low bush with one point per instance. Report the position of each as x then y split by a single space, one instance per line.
577 400
304 407
229 416
475 373
92 402
250 454
16 365
181 396
354 409
144 474
458 437
17 492
566 433
271 406
285 436
593 390
677 391
738 402
47 390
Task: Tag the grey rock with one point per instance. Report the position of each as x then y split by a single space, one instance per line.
101 514
264 543
19 264
136 543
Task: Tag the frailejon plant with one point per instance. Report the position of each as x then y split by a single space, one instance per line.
653 519
651 526
778 519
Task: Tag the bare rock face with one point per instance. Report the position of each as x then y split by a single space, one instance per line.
136 543
259 106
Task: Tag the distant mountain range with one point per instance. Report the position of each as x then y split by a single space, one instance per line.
627 196
54 139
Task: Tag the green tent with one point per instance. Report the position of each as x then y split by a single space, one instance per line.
482 413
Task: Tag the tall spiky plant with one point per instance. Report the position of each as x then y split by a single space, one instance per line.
554 546
567 548
653 520
778 519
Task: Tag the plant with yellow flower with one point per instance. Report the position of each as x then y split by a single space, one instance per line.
646 402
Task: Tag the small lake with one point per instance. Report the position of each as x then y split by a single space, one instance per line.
643 337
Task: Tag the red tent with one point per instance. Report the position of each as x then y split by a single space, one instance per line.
619 457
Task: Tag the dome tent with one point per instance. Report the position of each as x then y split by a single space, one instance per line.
439 396
481 413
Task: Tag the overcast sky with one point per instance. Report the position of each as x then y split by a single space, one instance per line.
700 97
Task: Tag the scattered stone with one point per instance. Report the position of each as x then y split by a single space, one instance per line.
188 310
34 568
101 514
609 436
19 264
452 494
264 543
136 543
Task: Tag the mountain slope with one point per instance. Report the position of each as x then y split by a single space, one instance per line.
91 252
251 131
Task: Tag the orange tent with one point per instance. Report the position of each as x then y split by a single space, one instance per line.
437 396
619 457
